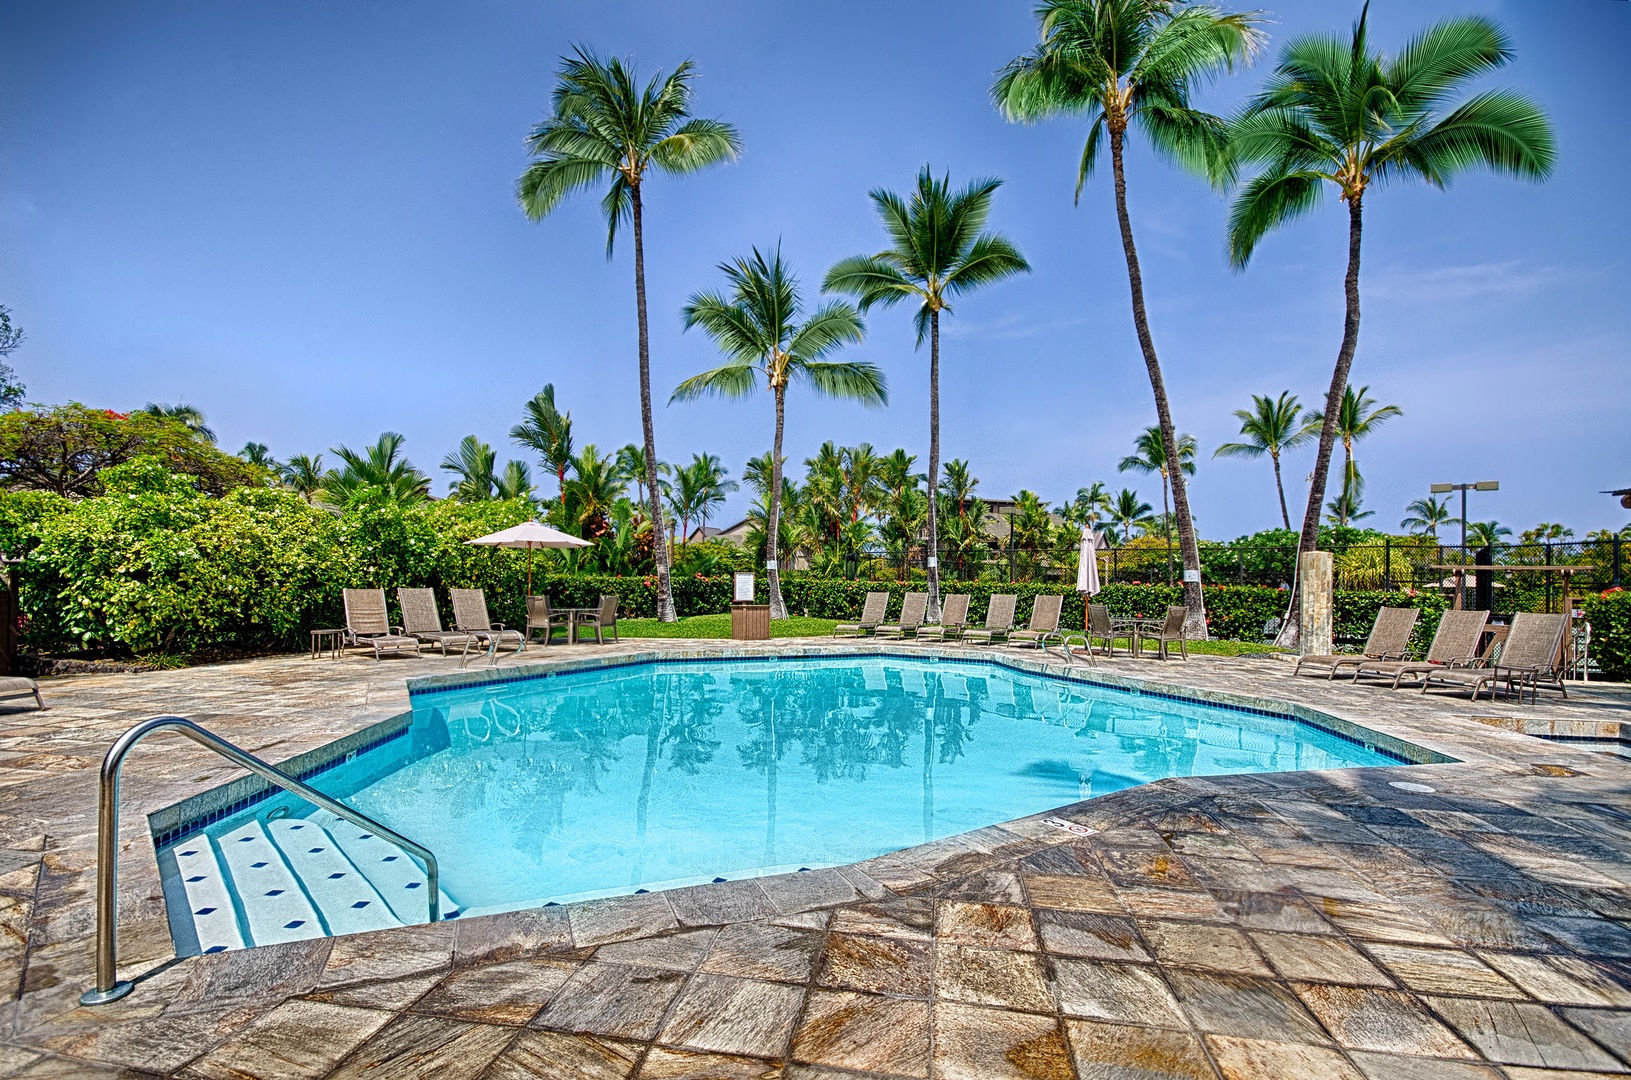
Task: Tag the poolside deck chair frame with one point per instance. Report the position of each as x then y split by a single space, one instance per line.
1531 653
541 617
1454 644
15 686
914 607
603 618
421 621
1389 640
999 620
873 610
1171 629
470 617
1044 624
368 624
953 620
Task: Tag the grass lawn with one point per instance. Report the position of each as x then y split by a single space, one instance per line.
719 626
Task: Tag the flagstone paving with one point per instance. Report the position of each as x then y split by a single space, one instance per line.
1309 925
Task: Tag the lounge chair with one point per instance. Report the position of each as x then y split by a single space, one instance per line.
912 609
953 620
540 617
872 613
999 620
603 618
1099 626
1172 629
1389 640
1044 623
470 616
421 620
1455 644
1531 653
16 686
368 626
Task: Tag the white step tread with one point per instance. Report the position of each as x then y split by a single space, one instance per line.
395 874
274 904
344 897
209 900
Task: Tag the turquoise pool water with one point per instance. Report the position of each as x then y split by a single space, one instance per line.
650 775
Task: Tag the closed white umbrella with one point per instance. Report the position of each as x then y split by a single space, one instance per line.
1087 563
530 535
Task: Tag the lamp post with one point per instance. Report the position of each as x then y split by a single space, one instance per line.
1440 489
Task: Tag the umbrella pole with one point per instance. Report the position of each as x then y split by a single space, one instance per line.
529 569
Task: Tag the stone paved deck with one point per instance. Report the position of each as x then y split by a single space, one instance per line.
1309 925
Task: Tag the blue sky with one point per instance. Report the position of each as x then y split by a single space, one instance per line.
300 218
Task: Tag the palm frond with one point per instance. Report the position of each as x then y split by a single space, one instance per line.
871 279
853 380
697 144
1498 129
1435 62
729 324
991 257
1090 154
830 327
1267 202
732 380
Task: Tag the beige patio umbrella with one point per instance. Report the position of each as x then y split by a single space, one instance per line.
1087 563
530 535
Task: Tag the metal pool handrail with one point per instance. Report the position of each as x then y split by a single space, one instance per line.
108 986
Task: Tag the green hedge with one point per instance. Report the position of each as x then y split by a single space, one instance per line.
155 565
1610 616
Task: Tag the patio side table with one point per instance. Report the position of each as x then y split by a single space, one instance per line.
327 641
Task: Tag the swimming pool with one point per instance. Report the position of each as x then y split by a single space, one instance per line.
655 774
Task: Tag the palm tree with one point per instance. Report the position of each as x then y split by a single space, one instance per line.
759 326
1335 113
548 432
259 454
188 416
937 252
378 472
1347 508
515 482
1088 504
959 484
595 487
698 489
1486 533
1426 515
604 125
1150 456
1356 418
1119 62
304 474
1271 427
1127 510
474 462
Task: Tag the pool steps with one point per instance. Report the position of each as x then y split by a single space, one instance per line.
291 878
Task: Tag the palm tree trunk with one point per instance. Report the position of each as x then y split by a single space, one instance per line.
933 560
1339 382
659 549
778 608
1280 489
1195 624
1166 524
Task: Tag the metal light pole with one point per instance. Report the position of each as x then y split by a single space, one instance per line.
1441 489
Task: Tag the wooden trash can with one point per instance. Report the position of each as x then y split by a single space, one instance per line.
750 622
